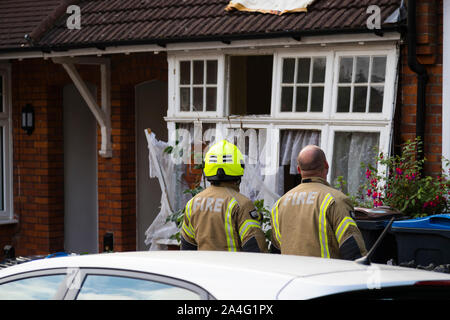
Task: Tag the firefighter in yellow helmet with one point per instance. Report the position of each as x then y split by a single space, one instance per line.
219 217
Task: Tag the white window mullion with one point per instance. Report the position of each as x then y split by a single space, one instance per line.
295 85
311 68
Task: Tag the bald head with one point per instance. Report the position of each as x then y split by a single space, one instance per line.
312 162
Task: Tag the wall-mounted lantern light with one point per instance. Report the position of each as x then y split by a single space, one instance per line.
28 118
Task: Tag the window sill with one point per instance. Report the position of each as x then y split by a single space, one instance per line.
8 221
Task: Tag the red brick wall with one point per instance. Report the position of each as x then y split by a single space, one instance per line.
39 160
429 50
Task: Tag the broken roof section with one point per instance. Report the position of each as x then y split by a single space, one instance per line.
117 22
278 7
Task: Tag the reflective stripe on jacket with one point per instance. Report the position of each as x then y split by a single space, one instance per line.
219 218
314 219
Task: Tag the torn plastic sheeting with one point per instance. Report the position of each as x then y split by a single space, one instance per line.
169 174
163 168
278 7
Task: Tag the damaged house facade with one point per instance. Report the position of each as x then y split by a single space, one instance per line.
348 76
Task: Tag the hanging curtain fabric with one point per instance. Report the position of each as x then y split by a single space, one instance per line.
350 150
277 7
292 142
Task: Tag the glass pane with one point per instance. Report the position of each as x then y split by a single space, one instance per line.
360 99
379 69
211 99
317 99
304 69
286 98
198 72
185 72
198 99
319 70
185 99
302 99
102 287
36 288
362 69
350 149
288 70
211 72
343 99
346 70
376 99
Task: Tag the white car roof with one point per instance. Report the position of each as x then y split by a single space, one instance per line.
228 275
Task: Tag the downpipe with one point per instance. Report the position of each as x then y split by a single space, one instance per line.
422 75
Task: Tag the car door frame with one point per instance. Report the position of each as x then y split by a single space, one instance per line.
77 279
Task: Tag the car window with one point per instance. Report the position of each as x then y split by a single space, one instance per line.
34 288
108 287
394 293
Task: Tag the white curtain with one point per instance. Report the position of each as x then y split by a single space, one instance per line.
350 150
292 142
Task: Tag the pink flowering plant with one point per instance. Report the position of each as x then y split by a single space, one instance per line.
403 187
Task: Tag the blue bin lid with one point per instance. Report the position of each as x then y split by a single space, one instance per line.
435 222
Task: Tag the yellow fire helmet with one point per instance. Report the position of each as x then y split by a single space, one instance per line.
224 162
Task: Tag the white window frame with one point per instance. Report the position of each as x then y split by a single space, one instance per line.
327 122
7 215
278 76
389 90
174 80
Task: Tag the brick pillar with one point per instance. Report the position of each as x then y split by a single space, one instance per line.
38 169
116 177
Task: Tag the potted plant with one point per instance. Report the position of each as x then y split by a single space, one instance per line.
402 185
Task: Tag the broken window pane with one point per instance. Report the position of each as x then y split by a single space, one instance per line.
250 85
